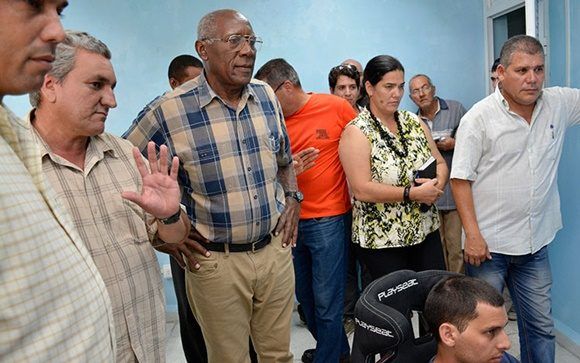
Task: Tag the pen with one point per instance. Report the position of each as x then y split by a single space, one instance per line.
552 128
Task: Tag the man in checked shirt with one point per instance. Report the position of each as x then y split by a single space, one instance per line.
240 192
118 207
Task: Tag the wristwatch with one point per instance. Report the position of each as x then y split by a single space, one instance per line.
296 195
171 219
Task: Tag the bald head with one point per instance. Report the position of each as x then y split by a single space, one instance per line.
359 68
355 63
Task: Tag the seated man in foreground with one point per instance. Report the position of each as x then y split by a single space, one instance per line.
467 317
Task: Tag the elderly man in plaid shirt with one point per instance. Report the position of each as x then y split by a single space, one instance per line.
240 192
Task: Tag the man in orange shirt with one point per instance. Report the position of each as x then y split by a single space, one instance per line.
317 120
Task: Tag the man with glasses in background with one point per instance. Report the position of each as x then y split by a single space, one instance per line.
443 118
317 120
239 189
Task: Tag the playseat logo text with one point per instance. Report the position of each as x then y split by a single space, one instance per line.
400 287
374 329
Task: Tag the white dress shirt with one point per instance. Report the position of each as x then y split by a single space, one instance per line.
513 166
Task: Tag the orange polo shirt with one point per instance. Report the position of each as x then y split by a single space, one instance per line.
319 124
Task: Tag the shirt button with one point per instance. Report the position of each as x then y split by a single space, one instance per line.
244 142
255 197
257 223
249 168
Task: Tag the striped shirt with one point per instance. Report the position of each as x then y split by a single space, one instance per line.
229 157
117 233
54 305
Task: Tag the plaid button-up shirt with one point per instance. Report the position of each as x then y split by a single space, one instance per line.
229 157
117 233
54 306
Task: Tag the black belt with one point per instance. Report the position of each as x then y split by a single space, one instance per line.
238 247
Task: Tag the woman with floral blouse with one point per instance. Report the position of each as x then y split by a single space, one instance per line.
380 151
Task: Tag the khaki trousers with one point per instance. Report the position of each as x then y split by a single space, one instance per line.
235 295
450 232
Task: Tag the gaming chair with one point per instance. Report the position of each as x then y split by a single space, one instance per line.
383 318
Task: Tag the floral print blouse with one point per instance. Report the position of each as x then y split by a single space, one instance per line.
386 225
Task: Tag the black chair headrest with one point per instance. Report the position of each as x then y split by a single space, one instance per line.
382 317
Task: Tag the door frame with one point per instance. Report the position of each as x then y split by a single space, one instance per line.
536 25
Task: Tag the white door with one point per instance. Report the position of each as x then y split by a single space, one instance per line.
506 18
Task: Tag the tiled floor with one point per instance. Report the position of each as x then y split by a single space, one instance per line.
302 340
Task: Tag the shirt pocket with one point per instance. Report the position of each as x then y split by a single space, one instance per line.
546 151
127 220
273 142
209 266
204 170
270 145
547 140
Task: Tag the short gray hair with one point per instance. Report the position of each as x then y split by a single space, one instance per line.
65 56
420 75
277 71
207 27
519 43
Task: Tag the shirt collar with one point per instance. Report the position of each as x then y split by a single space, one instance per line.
101 146
7 131
502 101
207 94
96 149
7 114
441 105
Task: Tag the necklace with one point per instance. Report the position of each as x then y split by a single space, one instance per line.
390 140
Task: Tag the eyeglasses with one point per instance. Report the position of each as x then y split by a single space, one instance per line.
424 89
236 41
280 85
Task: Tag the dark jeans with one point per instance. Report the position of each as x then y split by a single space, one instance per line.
427 255
529 280
320 270
191 335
